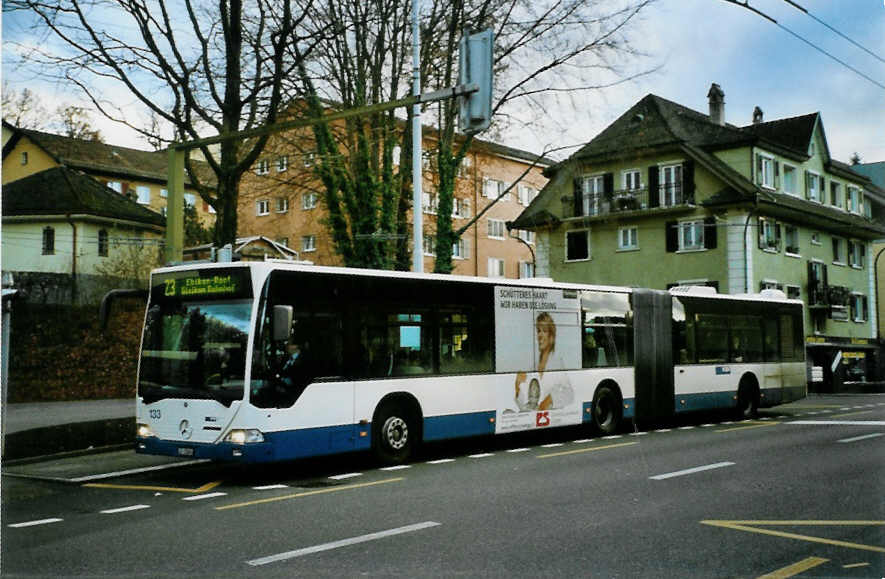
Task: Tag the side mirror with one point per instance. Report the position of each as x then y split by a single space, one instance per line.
281 323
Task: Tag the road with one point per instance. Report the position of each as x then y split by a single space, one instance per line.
797 492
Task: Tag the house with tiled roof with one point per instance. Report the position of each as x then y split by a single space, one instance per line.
141 175
60 226
668 196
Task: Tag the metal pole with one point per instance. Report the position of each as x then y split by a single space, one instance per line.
417 166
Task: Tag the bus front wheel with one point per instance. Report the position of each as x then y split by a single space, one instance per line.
747 400
394 434
606 410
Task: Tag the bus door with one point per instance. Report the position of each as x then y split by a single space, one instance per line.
773 374
653 354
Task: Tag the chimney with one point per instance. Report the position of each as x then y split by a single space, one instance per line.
757 116
717 104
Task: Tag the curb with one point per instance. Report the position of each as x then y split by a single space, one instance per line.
68 440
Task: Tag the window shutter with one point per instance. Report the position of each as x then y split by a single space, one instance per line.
777 236
824 281
608 185
777 175
761 233
758 169
822 195
577 198
688 180
866 307
863 253
710 232
465 247
853 307
812 284
672 236
807 185
653 185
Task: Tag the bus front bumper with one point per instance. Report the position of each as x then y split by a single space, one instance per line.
226 451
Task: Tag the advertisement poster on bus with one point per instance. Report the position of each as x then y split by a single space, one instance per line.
538 338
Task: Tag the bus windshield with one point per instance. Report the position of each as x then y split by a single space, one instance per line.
194 350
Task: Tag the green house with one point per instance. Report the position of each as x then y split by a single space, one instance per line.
668 196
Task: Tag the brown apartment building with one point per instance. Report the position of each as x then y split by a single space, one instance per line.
282 199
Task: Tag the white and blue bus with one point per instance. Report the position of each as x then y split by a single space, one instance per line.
265 361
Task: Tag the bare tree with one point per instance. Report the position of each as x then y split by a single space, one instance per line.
23 109
203 70
543 51
75 122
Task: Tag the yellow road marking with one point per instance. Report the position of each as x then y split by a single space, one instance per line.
743 526
851 414
752 425
855 565
308 493
795 568
202 489
590 449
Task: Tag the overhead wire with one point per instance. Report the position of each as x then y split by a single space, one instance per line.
851 40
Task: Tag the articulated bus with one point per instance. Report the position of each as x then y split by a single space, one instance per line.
265 361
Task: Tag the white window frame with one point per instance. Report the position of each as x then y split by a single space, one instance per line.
695 226
492 188
460 208
789 184
164 193
262 167
628 238
838 202
429 203
461 249
861 315
815 238
814 179
589 247
116 186
308 243
526 235
495 267
672 170
262 207
190 200
765 163
526 270
428 245
592 188
282 163
788 288
854 200
838 256
787 244
282 205
309 200
143 194
631 179
855 258
494 226
769 234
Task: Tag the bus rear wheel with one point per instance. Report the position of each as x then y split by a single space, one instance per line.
747 401
606 410
394 434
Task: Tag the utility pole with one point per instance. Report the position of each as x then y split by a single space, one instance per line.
417 165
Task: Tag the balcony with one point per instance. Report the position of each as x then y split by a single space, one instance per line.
626 201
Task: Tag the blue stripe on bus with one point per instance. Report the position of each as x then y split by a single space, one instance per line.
455 425
705 401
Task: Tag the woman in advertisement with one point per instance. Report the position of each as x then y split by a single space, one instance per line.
555 389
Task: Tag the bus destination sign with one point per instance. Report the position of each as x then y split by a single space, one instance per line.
205 284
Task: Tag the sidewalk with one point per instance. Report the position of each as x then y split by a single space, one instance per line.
48 428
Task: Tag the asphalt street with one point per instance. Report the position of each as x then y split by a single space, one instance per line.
797 492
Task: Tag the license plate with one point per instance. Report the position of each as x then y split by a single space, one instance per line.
185 452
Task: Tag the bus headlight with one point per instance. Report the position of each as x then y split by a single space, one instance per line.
244 436
143 431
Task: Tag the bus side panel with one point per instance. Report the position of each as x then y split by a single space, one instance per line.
710 386
653 347
795 381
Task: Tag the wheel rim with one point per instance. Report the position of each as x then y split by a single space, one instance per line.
603 411
396 432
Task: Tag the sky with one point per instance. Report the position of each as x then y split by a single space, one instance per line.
691 44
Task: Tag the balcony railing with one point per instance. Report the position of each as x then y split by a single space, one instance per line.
623 201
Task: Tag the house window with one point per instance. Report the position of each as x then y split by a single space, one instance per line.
262 167
396 154
857 252
836 194
770 284
308 201
859 308
492 188
143 195
769 235
429 245
465 167
691 235
591 191
794 292
190 199
116 186
838 255
525 194
103 242
308 243
309 159
48 241
430 203
671 185
789 179
765 171
461 249
496 228
815 238
262 207
628 238
526 269
577 245
164 193
854 200
526 235
282 163
461 208
24 158
632 180
791 236
284 241
812 186
282 204
495 267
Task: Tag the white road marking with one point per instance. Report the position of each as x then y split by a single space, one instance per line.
344 476
397 467
341 543
441 461
613 437
35 523
481 455
840 422
519 450
205 496
686 427
707 425
552 445
136 471
638 433
691 470
864 437
270 487
124 509
581 441
663 430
